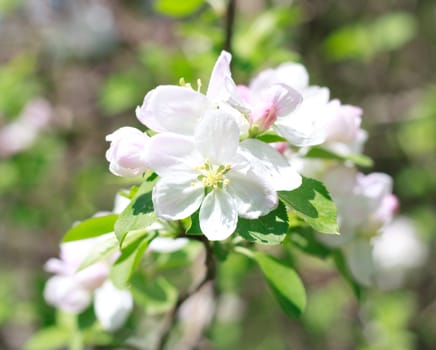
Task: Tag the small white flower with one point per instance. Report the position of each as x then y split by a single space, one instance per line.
208 172
112 306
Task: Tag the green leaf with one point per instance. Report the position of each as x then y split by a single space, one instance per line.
51 338
139 213
131 254
177 8
322 153
284 282
304 238
312 202
155 296
268 229
270 137
93 227
342 267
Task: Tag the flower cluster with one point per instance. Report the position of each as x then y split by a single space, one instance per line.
208 150
76 283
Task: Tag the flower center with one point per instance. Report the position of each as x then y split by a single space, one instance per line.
212 177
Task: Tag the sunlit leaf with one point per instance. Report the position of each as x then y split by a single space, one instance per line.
312 202
139 213
322 153
177 8
131 254
92 227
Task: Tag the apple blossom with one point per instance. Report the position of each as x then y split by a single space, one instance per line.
365 205
210 173
23 131
71 289
127 152
112 306
269 104
397 251
178 109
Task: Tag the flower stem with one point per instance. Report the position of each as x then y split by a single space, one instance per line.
209 277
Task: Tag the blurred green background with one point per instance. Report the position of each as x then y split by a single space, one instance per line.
77 69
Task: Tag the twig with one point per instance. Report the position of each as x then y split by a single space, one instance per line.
209 277
230 20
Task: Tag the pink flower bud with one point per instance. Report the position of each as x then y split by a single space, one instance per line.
127 152
343 123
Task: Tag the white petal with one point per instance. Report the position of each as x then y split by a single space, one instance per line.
174 198
65 293
171 152
167 245
254 196
120 203
217 137
112 306
300 131
291 74
220 83
358 255
271 165
218 215
172 108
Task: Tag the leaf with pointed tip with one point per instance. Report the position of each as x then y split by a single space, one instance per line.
92 227
312 202
284 282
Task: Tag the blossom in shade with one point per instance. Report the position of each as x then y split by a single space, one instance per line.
365 205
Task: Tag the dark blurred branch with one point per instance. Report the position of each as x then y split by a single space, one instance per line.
230 20
208 277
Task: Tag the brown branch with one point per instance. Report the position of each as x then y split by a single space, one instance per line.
208 277
229 25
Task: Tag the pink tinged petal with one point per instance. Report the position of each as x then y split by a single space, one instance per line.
253 195
172 108
169 153
127 152
112 306
93 276
284 98
167 245
271 165
217 137
279 101
65 293
175 198
343 123
218 215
